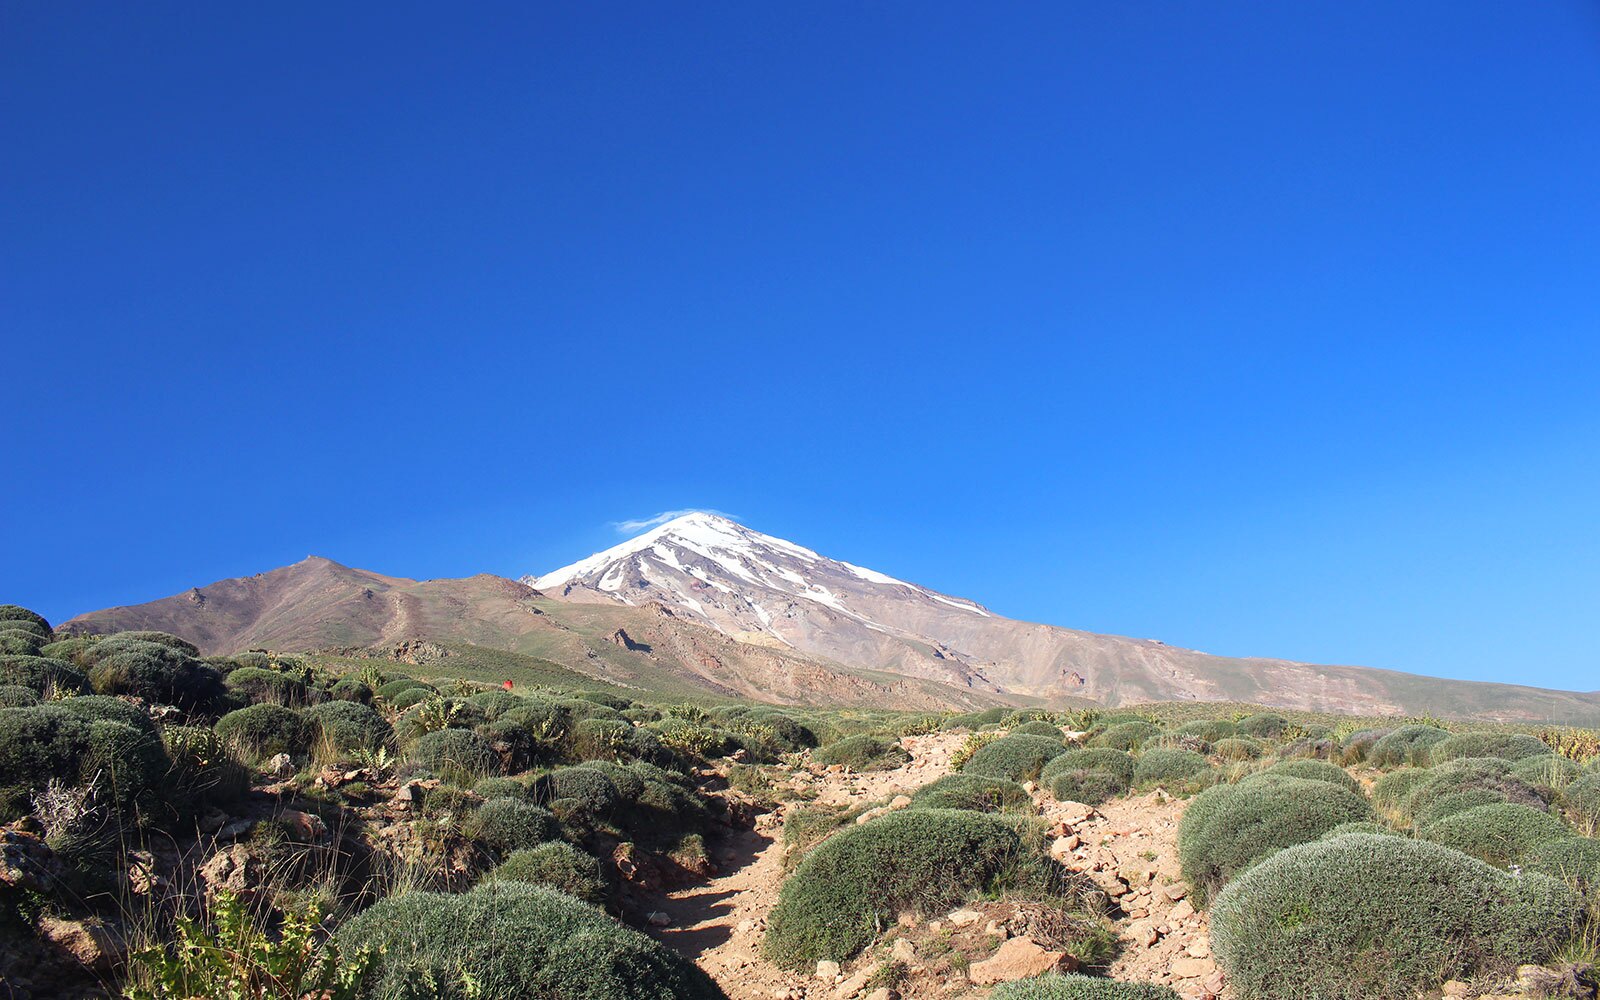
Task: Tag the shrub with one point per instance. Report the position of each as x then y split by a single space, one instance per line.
37 744
1379 918
1358 746
1582 799
1313 770
166 639
455 752
17 696
39 672
1406 745
351 689
19 642
1574 861
1360 827
267 686
1231 827
94 707
22 617
412 696
1507 746
1210 730
1018 757
1393 790
495 703
389 689
349 726
506 825
203 770
1502 833
1074 987
1118 762
1490 775
974 792
558 865
495 787
1169 765
260 731
1088 787
1263 725
863 753
1039 728
854 883
1237 748
126 764
163 672
590 787
511 939
600 739
1548 773
1126 735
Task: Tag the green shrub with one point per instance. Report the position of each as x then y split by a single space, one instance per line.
1118 762
600 739
389 689
1394 789
1126 735
408 697
974 792
1574 861
39 672
1502 833
1168 765
1039 728
506 825
511 939
1263 725
19 642
855 882
1313 770
495 787
17 696
1507 746
94 707
37 744
589 786
159 671
127 764
863 753
261 731
1237 748
495 703
267 686
203 770
1210 730
456 752
22 617
1358 746
1548 773
348 726
558 865
1406 745
1467 774
352 689
1379 918
1228 828
1055 986
1360 827
166 639
1088 787
1582 799
1018 757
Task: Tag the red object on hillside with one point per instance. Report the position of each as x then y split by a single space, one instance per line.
507 685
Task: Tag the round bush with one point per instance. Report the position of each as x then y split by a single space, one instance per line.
389 689
1210 730
166 639
1468 774
267 686
1548 772
1126 735
266 731
863 753
36 744
1393 790
1502 834
1507 746
1312 770
407 697
589 786
1263 725
1088 787
17 696
1237 748
203 771
1169 765
129 663
1039 728
1373 828
1379 918
127 765
348 725
19 642
600 739
351 689
974 792
39 672
858 880
1074 987
1118 762
1582 799
503 788
22 617
506 825
517 940
95 708
1406 745
558 865
1358 746
1228 828
1018 757
455 750
1574 861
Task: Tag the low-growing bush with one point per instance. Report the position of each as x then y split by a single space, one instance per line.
408 697
1039 728
1357 746
863 753
974 792
1394 789
1228 828
1169 766
351 689
267 686
593 788
40 672
506 825
1408 745
17 696
1075 987
455 753
1548 773
1480 776
394 686
37 744
1313 770
855 882
19 642
1507 746
348 726
1359 827
1210 730
1263 725
1238 748
600 739
203 772
1088 787
154 666
1018 757
1502 833
16 613
1379 918
496 787
511 939
1126 735
261 731
1582 799
1574 861
558 865
1118 762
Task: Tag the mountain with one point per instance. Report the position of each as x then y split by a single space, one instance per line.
766 591
318 604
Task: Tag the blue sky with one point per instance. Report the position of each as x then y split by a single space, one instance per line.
1256 327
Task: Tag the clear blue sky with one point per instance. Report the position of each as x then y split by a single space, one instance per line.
1258 327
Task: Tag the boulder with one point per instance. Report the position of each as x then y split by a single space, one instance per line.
1018 958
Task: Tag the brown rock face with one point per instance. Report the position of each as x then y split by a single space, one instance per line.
1018 958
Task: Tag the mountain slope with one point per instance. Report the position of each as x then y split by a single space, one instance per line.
318 604
765 590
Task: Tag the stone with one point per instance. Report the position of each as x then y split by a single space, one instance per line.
280 766
883 993
827 971
1018 958
91 944
308 828
964 917
1183 911
855 984
903 951
995 928
1457 988
1175 891
1143 932
899 802
1191 968
658 919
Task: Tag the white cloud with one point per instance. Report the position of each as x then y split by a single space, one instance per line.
645 523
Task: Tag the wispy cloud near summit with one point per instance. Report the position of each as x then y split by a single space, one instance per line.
646 523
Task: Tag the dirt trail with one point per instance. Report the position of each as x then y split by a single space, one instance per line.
1128 846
